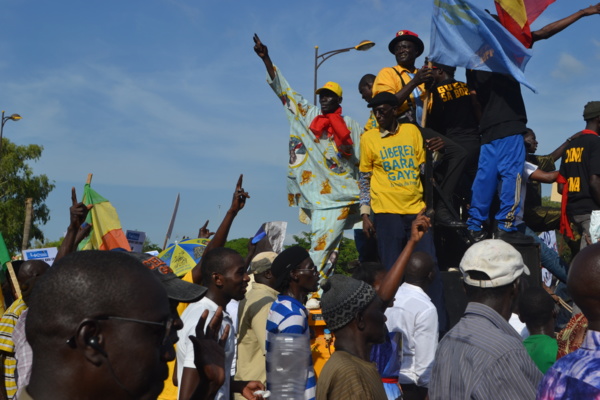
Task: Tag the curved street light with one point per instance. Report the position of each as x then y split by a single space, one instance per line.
13 117
362 46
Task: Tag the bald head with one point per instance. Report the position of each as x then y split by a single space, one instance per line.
28 275
85 284
419 269
31 269
583 283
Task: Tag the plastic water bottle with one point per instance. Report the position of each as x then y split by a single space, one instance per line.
288 361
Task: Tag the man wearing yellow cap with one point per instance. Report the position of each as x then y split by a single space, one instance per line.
323 164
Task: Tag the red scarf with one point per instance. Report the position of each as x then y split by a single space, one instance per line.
334 125
565 226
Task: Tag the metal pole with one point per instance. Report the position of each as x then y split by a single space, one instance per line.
1 130
315 82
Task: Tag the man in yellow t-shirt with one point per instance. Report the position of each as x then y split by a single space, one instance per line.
390 183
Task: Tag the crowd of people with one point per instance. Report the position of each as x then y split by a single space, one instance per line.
441 167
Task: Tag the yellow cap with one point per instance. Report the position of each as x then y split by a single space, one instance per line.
334 87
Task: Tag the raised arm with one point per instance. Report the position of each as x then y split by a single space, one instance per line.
238 202
560 150
263 52
392 279
555 27
75 232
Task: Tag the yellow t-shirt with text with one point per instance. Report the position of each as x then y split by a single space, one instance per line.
394 161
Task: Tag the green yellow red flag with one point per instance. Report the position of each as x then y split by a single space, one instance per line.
106 228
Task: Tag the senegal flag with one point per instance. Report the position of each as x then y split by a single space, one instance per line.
106 228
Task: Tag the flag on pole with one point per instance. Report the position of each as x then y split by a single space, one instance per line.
106 231
4 254
4 258
518 15
462 35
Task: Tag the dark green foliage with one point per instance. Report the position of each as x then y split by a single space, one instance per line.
17 183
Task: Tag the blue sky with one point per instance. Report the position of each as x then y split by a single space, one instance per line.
159 97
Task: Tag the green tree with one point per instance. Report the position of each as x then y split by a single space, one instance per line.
150 246
17 183
240 245
347 251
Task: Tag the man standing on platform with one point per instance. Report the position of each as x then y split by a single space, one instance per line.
581 168
407 83
323 164
390 184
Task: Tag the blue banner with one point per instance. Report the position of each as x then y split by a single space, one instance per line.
462 35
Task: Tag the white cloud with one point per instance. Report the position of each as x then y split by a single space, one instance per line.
567 67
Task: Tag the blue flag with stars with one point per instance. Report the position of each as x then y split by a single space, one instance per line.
462 35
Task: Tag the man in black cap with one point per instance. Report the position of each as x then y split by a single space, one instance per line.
407 83
580 166
390 184
295 277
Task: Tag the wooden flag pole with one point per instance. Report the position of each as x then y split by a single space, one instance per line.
428 155
13 279
89 179
27 227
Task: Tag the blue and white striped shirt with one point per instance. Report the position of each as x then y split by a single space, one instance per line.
288 315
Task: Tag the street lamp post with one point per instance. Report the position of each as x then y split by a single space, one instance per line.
362 46
14 117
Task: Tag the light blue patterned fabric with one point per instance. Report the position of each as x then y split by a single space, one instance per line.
576 375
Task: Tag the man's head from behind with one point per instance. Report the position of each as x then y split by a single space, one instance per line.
491 272
260 267
28 274
365 87
353 307
536 309
330 97
591 115
419 270
105 320
224 272
583 283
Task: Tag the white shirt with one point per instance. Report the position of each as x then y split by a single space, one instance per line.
415 316
185 347
528 169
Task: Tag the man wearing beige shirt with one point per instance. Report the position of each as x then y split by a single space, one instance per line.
252 317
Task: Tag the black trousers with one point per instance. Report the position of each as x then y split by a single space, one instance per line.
449 172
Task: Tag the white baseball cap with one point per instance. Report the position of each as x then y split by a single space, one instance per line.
497 259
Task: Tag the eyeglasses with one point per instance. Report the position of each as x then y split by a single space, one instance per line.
312 271
382 110
167 325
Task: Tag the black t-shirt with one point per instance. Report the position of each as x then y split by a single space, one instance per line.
452 111
580 161
503 107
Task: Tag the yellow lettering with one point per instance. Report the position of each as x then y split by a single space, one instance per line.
574 154
574 184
